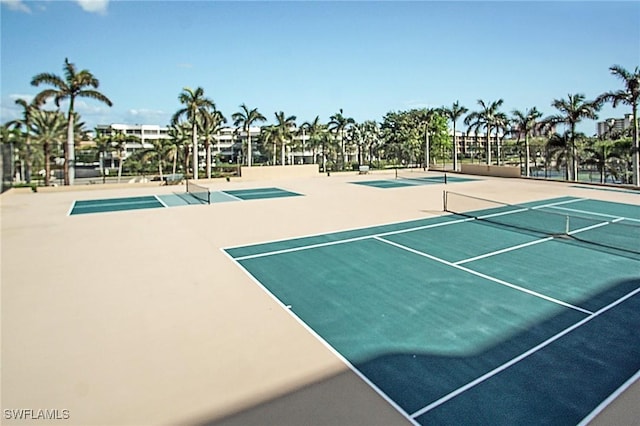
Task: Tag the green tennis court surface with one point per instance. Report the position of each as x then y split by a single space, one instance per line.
115 204
202 195
259 193
460 320
412 180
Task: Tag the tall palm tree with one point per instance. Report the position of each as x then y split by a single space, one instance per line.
424 117
486 118
284 125
119 141
28 109
454 114
74 84
48 128
245 118
338 124
179 135
572 111
628 96
524 123
209 124
269 135
313 130
195 105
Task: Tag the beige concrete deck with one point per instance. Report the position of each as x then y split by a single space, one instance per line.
138 317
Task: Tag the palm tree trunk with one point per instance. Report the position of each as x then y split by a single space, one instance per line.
249 151
208 154
69 160
427 158
526 154
47 166
488 145
282 152
194 129
175 159
455 149
636 147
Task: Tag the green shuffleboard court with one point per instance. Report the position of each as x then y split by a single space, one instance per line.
413 178
195 195
470 318
260 193
115 204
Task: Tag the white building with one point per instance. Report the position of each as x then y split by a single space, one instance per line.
614 125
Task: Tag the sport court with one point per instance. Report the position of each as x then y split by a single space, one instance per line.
194 195
412 177
484 316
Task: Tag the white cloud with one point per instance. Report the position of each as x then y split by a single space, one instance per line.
17 5
147 116
94 6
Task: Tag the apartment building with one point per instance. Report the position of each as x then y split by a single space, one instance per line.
614 125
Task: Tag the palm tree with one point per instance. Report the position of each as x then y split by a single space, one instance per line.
557 148
423 117
103 143
628 96
119 141
338 124
75 84
524 123
195 106
179 135
245 118
28 109
572 111
486 118
284 125
209 124
48 128
454 114
313 129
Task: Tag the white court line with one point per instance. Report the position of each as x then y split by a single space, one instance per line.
595 214
520 357
530 243
487 277
232 196
504 250
326 344
558 203
71 209
383 234
350 240
119 203
160 201
610 399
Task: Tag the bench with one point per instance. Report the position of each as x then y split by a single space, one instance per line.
172 179
363 170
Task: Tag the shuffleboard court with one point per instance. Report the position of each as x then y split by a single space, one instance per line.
404 181
115 204
260 193
458 320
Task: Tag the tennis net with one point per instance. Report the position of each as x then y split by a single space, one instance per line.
419 176
199 192
606 231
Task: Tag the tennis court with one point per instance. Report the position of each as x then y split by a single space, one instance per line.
494 314
412 177
194 195
116 204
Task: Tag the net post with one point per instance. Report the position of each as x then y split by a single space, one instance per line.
444 200
445 178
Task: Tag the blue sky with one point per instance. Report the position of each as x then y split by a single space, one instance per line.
311 58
